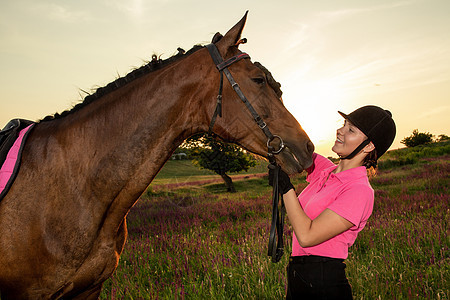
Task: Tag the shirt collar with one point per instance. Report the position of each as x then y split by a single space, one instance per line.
347 175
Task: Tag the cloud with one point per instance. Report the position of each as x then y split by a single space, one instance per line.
61 13
314 27
315 48
331 16
134 8
441 110
398 66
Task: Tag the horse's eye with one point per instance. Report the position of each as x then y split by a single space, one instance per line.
259 80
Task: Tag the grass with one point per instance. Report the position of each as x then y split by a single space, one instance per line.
200 247
199 242
408 156
179 171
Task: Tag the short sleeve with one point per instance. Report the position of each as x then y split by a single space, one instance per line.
355 203
320 163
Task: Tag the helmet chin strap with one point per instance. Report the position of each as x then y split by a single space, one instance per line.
357 150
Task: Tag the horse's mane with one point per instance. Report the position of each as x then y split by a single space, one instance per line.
153 65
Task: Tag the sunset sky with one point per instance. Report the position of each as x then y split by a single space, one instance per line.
327 55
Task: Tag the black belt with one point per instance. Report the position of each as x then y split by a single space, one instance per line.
308 259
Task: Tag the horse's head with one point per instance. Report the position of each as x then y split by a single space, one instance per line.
238 125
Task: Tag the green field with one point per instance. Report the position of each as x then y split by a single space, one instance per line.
183 170
199 242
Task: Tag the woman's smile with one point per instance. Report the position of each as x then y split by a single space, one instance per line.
339 141
348 137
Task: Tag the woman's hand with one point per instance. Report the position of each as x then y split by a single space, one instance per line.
284 182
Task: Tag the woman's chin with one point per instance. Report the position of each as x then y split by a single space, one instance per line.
336 150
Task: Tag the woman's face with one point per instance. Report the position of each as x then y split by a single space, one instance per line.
348 137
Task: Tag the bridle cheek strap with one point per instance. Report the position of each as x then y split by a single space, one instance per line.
276 250
222 67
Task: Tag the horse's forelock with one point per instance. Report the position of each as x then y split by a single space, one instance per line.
275 85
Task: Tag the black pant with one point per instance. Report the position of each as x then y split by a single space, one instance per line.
316 277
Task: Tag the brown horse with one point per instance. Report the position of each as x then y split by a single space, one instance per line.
62 224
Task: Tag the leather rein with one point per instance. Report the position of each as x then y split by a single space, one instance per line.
275 250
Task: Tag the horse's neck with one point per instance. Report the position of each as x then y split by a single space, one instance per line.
119 142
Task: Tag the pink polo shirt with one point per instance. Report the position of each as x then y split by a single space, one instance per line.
347 193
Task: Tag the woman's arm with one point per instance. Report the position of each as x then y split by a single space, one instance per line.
313 232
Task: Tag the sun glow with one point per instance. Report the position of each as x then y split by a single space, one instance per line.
314 103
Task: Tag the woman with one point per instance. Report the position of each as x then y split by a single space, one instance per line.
335 206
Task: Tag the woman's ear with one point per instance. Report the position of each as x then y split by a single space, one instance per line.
369 147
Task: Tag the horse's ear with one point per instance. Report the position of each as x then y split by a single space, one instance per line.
217 37
233 36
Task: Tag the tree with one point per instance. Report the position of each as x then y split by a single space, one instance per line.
219 157
417 138
442 137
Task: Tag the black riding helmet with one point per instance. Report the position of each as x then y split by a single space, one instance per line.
377 124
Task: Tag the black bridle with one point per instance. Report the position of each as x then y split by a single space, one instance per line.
275 250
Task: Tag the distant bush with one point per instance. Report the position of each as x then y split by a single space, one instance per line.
442 137
412 155
401 161
417 138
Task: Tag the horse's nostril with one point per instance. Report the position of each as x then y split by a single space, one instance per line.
310 147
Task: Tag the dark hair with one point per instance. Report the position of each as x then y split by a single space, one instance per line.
370 161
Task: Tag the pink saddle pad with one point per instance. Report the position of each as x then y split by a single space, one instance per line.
11 165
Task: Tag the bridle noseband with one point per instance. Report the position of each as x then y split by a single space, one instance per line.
275 250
